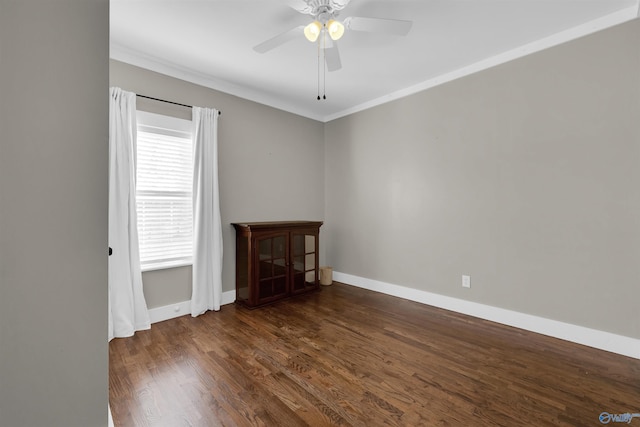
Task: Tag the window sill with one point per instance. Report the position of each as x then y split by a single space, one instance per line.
166 265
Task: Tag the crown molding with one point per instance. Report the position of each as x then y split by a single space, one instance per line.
158 65
140 59
585 29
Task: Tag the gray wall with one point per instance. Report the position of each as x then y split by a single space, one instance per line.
53 212
271 166
525 177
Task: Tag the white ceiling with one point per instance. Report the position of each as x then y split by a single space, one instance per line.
210 42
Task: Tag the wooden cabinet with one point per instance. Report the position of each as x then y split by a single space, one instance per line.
275 260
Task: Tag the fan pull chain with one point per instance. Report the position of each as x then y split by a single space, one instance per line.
318 70
324 63
321 65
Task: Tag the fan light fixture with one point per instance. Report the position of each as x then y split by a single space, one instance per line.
334 28
312 31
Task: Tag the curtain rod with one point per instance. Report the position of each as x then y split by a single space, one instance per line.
168 102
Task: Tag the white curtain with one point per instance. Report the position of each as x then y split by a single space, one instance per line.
207 228
127 307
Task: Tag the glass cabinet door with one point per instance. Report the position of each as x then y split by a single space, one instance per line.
272 267
305 268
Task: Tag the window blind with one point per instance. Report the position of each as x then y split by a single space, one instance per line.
164 196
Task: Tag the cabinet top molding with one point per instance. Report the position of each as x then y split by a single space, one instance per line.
276 224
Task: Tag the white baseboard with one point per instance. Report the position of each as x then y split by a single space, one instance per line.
110 419
160 314
619 344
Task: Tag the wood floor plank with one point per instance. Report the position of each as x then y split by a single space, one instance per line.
350 357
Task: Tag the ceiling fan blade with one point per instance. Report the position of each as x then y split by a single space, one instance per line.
280 39
332 57
299 5
378 25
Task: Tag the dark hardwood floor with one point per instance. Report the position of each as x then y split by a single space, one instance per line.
351 357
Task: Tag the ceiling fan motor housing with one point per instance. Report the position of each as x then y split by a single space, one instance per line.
324 10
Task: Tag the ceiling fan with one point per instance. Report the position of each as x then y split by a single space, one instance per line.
327 29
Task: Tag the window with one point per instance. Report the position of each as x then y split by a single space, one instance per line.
164 191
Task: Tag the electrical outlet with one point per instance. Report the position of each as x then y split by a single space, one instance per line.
466 281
